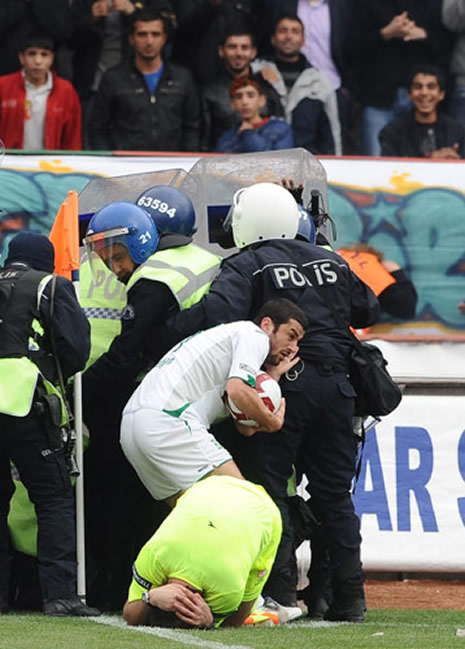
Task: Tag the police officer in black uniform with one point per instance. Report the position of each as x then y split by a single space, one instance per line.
31 413
319 395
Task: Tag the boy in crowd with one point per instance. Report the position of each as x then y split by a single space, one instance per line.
39 110
423 132
253 133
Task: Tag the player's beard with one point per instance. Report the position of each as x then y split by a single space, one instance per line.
272 359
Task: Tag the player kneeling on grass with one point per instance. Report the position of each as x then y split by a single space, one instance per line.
207 563
164 430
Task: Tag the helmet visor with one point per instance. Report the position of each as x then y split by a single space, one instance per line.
110 247
227 223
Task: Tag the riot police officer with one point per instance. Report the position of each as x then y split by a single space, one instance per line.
318 392
163 272
39 314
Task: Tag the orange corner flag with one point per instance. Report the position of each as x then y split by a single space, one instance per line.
65 237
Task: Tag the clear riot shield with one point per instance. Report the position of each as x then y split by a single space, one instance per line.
213 180
101 191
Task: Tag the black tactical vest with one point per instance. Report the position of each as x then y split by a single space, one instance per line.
18 308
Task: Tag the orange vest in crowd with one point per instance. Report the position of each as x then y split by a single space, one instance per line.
369 269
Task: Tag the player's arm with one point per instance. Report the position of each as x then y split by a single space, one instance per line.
238 617
248 401
189 606
136 613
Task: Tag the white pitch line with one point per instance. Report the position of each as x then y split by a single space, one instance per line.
169 634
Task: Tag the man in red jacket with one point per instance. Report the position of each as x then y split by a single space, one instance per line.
38 110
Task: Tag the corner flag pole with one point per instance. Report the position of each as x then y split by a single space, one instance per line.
65 237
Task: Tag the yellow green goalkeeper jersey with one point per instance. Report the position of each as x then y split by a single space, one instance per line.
221 538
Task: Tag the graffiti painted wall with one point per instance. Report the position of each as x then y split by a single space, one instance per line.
413 211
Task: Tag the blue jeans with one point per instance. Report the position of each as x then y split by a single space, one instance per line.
373 120
457 103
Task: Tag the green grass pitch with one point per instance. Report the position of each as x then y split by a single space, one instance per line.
383 629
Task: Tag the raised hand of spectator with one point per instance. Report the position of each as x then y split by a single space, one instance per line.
415 33
450 152
124 6
269 74
99 9
399 27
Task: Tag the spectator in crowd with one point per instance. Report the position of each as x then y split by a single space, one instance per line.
20 18
202 26
307 96
100 41
236 52
396 294
453 17
148 103
253 133
207 563
32 410
390 37
39 110
326 25
423 132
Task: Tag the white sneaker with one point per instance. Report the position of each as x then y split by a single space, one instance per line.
285 613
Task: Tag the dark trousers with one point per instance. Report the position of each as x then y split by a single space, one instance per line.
43 472
317 436
121 515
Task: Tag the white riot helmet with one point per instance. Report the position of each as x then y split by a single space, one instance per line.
261 212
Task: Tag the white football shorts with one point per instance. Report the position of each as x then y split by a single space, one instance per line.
169 454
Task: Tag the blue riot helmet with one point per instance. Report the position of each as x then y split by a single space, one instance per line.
170 208
118 226
306 227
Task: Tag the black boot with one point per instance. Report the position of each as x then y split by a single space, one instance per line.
73 607
347 610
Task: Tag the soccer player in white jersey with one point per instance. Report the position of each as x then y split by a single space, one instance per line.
164 429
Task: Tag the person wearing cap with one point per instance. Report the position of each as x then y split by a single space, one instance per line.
38 109
42 328
253 132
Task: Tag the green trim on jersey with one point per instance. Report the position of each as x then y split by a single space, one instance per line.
178 412
250 380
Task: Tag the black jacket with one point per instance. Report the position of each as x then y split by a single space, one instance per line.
401 137
383 66
63 318
399 300
87 39
274 269
201 28
126 117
